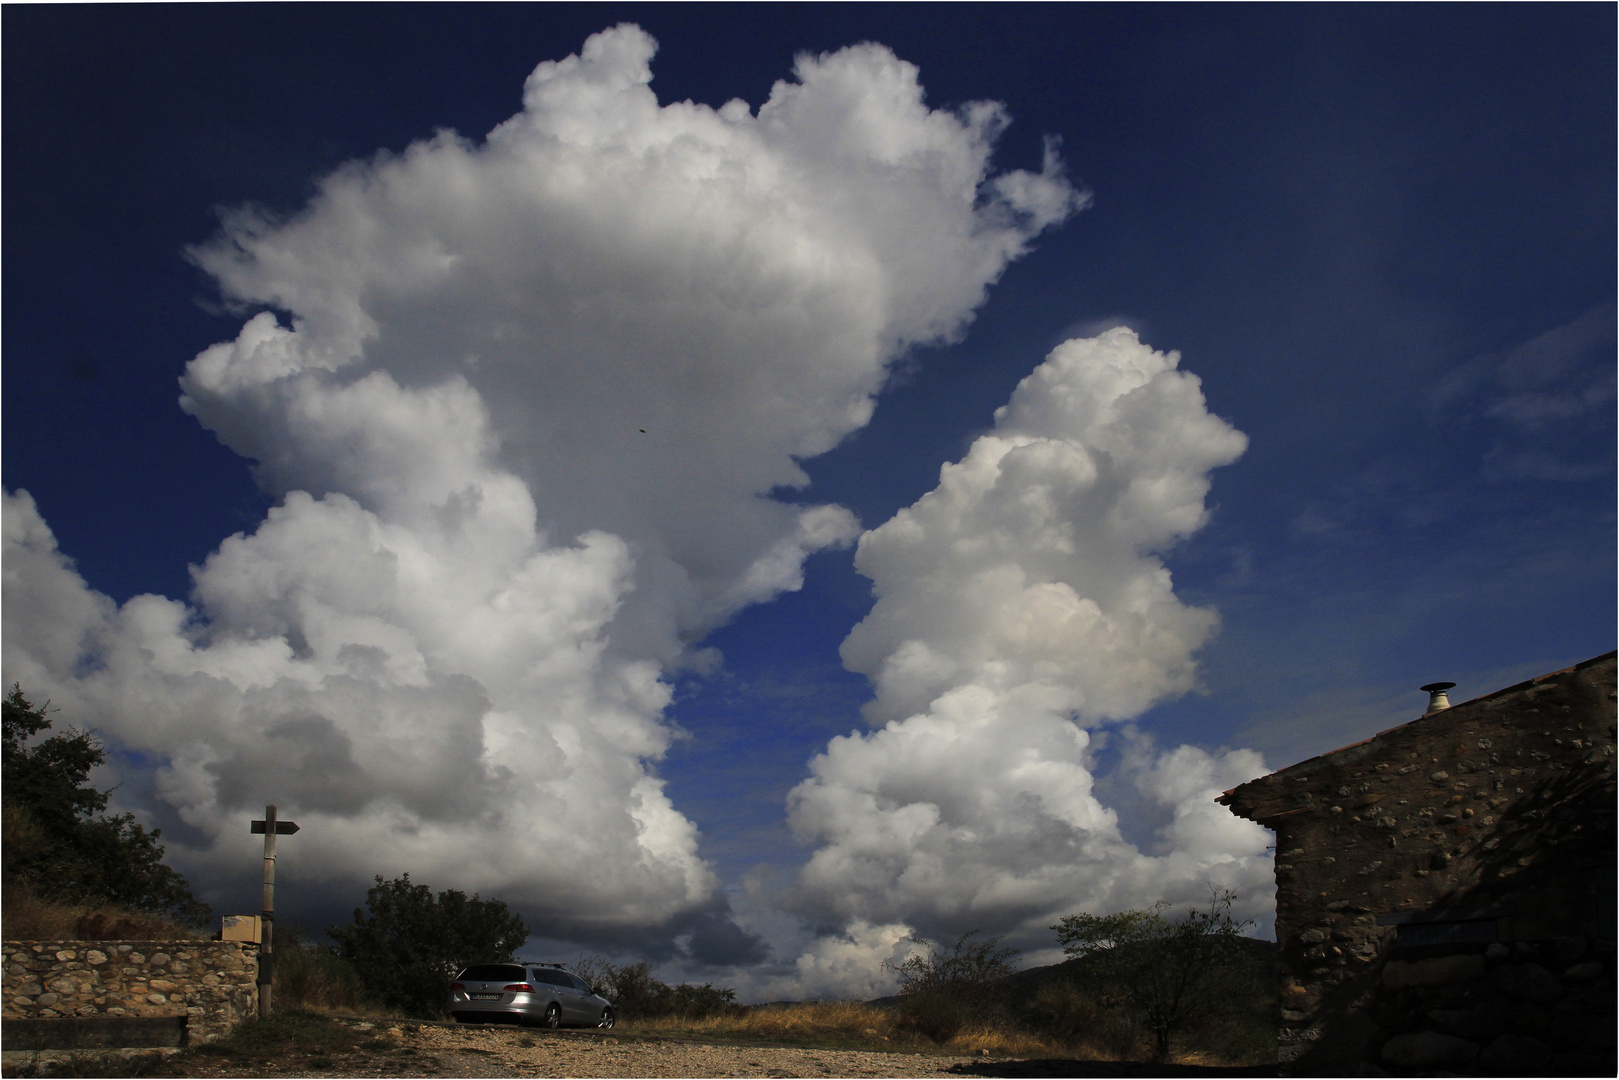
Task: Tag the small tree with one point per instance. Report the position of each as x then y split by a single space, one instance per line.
943 990
637 994
963 975
60 844
1166 973
412 944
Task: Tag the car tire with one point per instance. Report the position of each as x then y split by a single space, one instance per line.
552 1017
606 1020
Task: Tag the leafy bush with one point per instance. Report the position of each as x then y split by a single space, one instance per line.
1062 1011
966 974
639 995
692 1001
1169 976
412 944
933 1015
942 991
631 988
315 977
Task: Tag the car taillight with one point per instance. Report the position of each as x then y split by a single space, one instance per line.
519 988
457 986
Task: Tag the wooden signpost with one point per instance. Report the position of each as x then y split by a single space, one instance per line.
271 828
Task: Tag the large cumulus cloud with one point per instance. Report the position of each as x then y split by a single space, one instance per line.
522 402
1021 606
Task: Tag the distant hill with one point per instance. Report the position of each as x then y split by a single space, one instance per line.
1241 1027
1022 986
1259 957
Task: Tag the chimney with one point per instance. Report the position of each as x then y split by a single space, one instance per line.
1438 700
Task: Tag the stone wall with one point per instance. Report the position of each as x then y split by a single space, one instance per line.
1445 890
211 983
1528 1008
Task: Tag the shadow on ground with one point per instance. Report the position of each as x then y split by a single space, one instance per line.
1058 1067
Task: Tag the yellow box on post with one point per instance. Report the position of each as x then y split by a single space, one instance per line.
242 928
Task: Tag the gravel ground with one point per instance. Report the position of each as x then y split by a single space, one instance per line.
448 1050
494 1052
427 1049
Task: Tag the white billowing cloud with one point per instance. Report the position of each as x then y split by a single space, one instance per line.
858 963
1020 604
523 409
732 283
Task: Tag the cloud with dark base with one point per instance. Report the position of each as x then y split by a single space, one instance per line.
521 403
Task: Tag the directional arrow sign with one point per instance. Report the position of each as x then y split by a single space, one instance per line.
282 828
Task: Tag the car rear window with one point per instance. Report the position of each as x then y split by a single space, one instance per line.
492 973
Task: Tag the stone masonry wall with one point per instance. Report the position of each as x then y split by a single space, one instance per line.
1528 1008
1445 890
211 983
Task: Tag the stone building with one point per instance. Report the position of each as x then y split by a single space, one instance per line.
1445 891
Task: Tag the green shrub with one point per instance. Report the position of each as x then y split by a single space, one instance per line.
638 995
1170 976
59 842
933 1015
314 977
411 943
1059 1009
696 1002
967 974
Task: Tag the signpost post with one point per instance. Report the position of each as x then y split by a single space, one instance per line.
271 828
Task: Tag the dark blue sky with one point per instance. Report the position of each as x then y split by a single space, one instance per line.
1383 237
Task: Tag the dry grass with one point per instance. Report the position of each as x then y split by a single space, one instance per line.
1007 1040
840 1020
853 1024
29 918
319 982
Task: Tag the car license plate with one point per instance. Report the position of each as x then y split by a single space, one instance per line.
485 997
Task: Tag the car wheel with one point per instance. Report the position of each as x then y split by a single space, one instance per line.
553 1017
607 1019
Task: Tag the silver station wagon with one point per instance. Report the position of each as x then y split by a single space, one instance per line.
527 993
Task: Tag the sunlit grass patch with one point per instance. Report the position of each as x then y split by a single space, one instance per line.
836 1024
856 1025
1006 1040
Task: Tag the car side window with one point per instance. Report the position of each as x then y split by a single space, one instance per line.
580 984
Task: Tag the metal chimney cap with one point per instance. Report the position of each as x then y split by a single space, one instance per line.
1438 700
